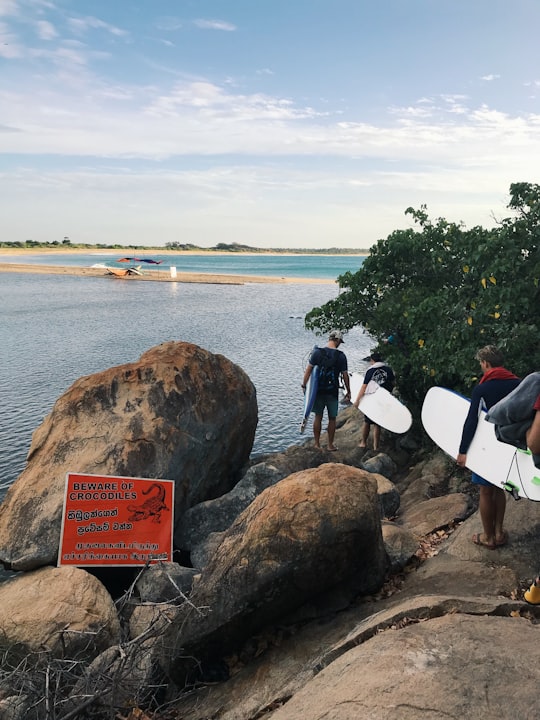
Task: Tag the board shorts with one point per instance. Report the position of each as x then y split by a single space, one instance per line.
369 421
330 402
477 480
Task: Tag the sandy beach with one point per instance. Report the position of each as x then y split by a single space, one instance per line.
149 275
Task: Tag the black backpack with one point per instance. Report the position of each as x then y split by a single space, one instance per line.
328 373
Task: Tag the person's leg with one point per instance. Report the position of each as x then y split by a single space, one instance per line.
499 504
332 408
317 426
331 433
376 437
318 412
487 510
365 433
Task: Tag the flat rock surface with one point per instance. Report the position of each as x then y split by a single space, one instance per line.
447 643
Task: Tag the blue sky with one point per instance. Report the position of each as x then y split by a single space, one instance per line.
275 123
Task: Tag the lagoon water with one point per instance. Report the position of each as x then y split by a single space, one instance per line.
56 329
289 266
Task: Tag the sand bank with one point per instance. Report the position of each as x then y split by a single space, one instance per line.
154 275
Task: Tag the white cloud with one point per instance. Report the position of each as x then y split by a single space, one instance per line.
9 7
262 204
211 101
214 25
168 23
490 78
9 43
199 117
46 30
83 25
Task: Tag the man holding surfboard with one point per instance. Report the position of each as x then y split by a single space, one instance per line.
496 382
331 363
379 374
517 421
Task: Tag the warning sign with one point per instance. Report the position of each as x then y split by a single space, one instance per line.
116 521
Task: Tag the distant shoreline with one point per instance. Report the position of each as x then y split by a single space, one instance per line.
157 275
63 250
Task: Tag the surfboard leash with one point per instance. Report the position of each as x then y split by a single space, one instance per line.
508 485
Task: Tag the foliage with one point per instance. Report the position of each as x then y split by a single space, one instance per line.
431 296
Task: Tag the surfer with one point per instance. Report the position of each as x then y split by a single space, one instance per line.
517 422
332 364
532 595
496 382
378 374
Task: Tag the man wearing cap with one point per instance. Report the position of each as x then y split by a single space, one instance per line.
327 393
381 374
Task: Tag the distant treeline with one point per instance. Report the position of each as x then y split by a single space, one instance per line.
66 244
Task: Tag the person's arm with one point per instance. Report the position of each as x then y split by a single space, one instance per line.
360 395
361 392
469 427
307 375
533 435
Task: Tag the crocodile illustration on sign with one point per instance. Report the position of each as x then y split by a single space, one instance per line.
152 507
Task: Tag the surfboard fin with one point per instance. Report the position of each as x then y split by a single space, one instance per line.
303 425
512 489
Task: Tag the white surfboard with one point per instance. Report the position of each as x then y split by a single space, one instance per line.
443 415
381 406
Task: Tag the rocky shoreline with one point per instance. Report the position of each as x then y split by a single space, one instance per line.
307 583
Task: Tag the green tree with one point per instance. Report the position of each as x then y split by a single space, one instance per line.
432 295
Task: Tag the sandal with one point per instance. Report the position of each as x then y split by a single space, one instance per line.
503 539
477 540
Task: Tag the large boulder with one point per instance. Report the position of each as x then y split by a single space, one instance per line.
168 415
315 530
65 612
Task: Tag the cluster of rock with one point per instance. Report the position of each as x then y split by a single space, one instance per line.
267 543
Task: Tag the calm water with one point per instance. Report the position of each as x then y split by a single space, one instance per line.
56 329
300 266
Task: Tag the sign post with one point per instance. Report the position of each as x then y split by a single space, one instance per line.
116 521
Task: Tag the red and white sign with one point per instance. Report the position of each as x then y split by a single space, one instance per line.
116 521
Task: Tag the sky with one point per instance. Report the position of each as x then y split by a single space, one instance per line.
271 123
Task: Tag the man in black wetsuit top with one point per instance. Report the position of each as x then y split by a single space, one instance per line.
496 383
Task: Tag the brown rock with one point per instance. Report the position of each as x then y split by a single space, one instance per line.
65 611
431 515
314 530
158 417
447 667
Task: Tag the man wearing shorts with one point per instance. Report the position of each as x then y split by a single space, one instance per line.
495 383
327 396
379 373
